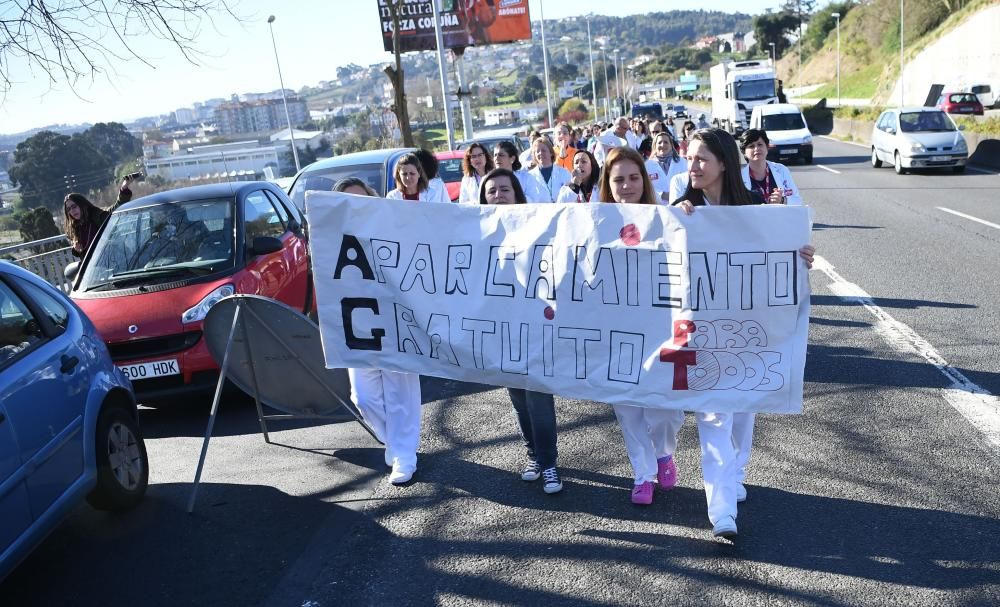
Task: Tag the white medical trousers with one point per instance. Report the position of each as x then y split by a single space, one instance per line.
390 403
718 463
649 434
742 440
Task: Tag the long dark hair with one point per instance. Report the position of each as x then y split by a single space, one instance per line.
429 161
509 149
76 229
722 145
591 182
519 197
412 160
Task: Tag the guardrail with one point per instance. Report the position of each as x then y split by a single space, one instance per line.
47 257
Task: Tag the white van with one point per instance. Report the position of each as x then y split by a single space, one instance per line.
987 93
787 129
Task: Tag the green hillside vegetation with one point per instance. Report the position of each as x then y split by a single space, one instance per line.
869 44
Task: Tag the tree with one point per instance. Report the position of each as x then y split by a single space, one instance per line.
531 89
398 79
772 27
73 39
36 224
47 165
113 140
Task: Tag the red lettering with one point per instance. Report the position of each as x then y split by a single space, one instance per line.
681 359
683 328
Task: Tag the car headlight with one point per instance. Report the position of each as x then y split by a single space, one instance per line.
960 146
916 147
199 311
808 139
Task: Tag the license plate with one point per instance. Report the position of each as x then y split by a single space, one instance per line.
940 158
159 368
789 151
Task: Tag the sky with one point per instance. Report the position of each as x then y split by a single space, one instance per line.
313 38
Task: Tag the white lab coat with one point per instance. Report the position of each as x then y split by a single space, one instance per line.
678 185
437 190
566 194
469 194
661 181
782 179
550 191
425 195
533 192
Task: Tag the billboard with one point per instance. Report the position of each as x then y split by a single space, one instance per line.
463 23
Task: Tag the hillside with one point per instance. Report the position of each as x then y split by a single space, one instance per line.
870 47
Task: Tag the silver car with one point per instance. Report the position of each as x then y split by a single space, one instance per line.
918 137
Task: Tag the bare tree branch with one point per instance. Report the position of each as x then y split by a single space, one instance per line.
67 40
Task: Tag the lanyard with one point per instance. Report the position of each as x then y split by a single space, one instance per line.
767 184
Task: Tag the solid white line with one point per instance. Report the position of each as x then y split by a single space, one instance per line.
970 217
978 406
860 145
835 172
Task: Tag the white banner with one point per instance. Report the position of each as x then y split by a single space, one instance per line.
619 303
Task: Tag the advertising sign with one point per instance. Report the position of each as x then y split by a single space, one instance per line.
463 23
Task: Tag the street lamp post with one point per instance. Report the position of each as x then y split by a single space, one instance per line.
281 81
618 78
593 80
902 81
837 17
545 64
607 88
772 54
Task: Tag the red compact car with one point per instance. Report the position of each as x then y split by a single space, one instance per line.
960 103
160 262
450 171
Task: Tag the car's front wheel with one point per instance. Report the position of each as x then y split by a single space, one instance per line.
122 463
876 161
898 164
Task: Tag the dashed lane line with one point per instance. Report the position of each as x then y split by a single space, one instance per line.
976 404
969 217
826 168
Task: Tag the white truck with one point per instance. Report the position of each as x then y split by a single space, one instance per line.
737 88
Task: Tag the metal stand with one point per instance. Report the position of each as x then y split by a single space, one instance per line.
242 311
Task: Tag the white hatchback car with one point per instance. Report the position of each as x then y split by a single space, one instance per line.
918 137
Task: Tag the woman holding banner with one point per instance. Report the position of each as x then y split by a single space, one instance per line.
411 181
476 163
388 400
535 411
715 180
650 434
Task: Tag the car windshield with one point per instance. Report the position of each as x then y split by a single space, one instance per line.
783 122
323 180
753 90
917 122
450 170
162 242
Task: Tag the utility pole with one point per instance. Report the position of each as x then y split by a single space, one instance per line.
593 80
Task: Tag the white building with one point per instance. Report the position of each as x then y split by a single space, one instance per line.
237 160
496 116
184 115
302 138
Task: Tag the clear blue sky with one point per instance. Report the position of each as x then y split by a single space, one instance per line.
313 39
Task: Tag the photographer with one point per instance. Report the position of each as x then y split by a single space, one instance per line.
83 219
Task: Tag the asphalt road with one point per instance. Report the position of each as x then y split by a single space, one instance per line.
883 492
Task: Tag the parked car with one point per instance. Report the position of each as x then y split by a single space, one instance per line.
960 103
161 261
374 167
918 137
450 171
652 110
69 430
786 129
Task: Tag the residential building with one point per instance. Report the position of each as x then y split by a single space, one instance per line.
240 160
259 116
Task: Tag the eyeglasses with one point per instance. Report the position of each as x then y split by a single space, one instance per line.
477 155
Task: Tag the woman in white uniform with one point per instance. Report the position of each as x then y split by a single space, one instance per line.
650 434
713 170
583 186
549 177
664 164
772 179
476 163
411 181
505 157
388 400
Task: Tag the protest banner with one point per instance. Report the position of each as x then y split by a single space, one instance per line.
463 23
623 304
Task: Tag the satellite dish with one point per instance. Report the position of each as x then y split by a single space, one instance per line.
276 353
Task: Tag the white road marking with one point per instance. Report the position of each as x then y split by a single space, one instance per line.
970 217
860 145
977 405
835 172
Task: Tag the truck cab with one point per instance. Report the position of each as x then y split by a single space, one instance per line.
737 88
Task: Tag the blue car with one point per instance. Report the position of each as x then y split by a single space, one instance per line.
374 167
69 428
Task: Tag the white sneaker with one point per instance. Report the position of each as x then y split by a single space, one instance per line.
401 473
741 493
726 527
